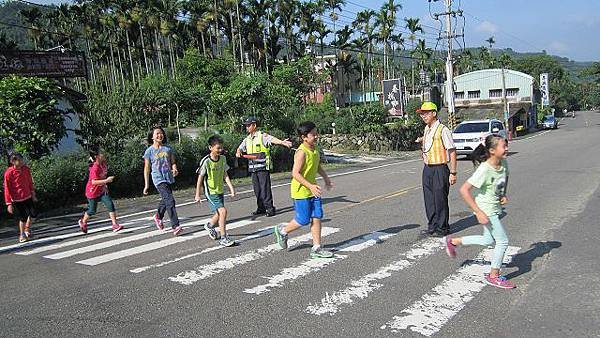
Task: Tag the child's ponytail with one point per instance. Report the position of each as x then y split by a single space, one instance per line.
482 152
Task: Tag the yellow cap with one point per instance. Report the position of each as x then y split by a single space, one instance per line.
427 106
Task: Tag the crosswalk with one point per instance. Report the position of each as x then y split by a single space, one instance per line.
426 315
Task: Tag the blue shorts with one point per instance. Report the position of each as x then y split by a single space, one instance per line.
215 202
306 209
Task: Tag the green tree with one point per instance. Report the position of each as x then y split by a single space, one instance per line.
31 121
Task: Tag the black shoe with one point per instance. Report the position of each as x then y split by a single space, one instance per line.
427 233
271 213
258 212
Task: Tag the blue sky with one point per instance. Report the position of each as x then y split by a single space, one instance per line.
566 28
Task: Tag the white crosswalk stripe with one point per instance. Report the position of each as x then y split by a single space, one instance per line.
429 314
85 239
362 287
205 271
314 265
153 246
261 233
108 244
56 238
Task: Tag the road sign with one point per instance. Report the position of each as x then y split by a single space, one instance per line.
45 64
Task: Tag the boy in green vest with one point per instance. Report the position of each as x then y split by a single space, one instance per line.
212 170
305 191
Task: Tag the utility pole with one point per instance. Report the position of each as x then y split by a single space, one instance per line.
504 101
449 13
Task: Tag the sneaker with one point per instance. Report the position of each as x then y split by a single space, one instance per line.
281 239
177 230
28 234
212 233
117 227
22 239
499 282
321 253
158 222
82 226
225 241
450 248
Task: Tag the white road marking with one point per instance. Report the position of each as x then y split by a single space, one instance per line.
314 265
205 271
361 288
51 239
429 314
108 244
153 246
85 239
261 233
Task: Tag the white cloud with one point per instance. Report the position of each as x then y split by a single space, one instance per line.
487 27
586 20
558 46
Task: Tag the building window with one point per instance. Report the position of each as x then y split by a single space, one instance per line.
459 95
495 93
512 92
474 94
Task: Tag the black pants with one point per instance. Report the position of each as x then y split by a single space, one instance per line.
261 180
436 187
167 204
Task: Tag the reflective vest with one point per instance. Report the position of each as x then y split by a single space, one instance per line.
437 154
309 171
255 146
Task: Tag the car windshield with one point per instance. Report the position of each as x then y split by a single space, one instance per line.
549 118
472 127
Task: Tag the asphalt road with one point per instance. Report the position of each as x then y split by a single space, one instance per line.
386 279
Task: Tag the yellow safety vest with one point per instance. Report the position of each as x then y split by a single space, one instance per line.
255 146
437 154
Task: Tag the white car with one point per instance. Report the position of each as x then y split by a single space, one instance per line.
468 135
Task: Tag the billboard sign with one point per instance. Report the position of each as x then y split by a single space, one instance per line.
393 97
544 89
44 64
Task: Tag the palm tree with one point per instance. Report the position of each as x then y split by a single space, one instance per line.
31 17
413 25
384 23
392 8
360 44
363 24
332 6
491 41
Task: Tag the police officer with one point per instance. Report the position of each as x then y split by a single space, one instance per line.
257 146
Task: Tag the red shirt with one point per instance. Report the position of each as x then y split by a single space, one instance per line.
18 184
97 172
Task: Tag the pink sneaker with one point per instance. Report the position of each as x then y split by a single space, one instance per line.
177 230
450 248
82 226
158 222
499 282
117 227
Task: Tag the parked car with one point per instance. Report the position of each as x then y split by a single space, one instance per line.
470 134
549 122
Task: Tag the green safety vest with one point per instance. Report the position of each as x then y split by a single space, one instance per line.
255 146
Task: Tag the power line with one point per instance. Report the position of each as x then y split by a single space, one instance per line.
506 33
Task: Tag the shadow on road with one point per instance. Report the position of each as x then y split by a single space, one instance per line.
390 230
524 260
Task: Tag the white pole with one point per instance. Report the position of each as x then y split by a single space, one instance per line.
449 69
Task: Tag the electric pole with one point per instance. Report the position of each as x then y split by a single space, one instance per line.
449 13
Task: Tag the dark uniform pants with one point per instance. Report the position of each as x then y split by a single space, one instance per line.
261 181
436 187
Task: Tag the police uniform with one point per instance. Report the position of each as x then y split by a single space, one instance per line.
258 144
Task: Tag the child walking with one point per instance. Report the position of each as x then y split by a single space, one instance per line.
305 191
491 178
96 190
212 170
159 162
19 194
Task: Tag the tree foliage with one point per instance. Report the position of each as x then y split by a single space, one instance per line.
31 121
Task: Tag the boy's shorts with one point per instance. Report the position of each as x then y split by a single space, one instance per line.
215 202
306 209
93 204
24 209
